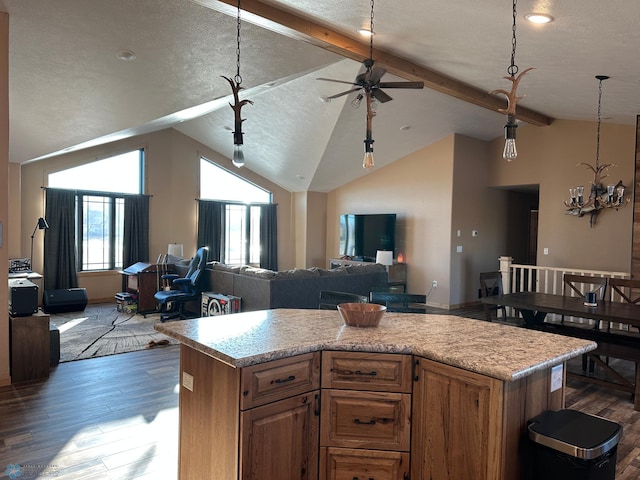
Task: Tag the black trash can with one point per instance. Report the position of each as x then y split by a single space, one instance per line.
571 445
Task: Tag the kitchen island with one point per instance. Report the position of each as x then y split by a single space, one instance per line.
296 394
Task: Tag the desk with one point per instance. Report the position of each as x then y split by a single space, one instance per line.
534 307
143 280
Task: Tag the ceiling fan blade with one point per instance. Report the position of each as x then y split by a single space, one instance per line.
336 81
376 74
380 95
343 93
401 85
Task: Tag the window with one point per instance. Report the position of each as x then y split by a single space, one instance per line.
242 215
100 206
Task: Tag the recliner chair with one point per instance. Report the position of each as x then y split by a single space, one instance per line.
183 289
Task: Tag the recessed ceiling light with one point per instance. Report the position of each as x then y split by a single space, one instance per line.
228 128
300 177
365 32
126 55
538 17
404 128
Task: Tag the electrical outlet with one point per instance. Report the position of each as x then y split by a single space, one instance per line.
434 284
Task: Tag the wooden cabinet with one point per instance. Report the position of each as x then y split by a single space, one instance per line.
354 415
365 424
254 423
29 346
467 425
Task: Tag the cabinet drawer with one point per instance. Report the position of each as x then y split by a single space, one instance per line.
382 372
351 464
365 420
271 381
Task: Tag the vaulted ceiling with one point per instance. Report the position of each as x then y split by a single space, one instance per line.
68 90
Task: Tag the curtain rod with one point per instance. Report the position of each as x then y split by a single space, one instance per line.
98 193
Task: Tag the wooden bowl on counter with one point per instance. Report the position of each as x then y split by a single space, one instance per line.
364 315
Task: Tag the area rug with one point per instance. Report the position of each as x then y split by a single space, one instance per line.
101 330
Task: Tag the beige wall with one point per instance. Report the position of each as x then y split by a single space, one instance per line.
4 187
172 178
548 156
460 183
418 188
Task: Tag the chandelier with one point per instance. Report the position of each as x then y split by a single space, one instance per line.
600 197
238 155
510 152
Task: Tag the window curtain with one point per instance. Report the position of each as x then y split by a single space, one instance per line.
211 228
60 264
269 237
135 246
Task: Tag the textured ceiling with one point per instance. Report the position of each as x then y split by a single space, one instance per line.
68 90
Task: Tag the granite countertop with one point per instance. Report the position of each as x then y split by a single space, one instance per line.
500 351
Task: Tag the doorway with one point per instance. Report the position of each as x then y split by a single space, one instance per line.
522 219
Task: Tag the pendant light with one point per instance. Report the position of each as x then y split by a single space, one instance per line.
510 151
368 162
238 154
600 197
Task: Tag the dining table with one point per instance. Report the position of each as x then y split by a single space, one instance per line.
616 329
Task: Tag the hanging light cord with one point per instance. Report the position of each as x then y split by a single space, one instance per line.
513 68
238 78
371 36
598 130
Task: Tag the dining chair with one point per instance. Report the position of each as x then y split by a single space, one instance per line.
579 285
628 290
329 299
400 302
490 285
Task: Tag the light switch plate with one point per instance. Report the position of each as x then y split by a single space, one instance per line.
187 381
556 377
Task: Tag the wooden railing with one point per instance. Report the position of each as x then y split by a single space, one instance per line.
533 278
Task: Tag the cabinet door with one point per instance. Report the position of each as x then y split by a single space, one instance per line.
456 424
279 441
353 464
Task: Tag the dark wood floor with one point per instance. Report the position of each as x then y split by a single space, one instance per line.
116 417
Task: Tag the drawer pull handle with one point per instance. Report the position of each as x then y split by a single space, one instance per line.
290 378
370 374
357 421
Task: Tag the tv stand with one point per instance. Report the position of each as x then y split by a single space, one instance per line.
397 273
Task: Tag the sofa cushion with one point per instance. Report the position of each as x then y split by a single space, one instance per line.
365 268
332 272
296 273
257 272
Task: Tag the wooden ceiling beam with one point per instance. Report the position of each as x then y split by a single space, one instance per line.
304 29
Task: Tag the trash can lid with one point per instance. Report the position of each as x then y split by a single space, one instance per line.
574 433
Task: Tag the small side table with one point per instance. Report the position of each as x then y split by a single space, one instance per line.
29 347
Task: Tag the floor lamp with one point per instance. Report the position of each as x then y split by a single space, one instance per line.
41 225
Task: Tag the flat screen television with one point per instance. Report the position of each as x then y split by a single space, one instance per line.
361 236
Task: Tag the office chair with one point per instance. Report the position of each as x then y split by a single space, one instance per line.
183 289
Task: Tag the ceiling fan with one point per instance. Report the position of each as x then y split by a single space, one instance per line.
369 83
369 86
